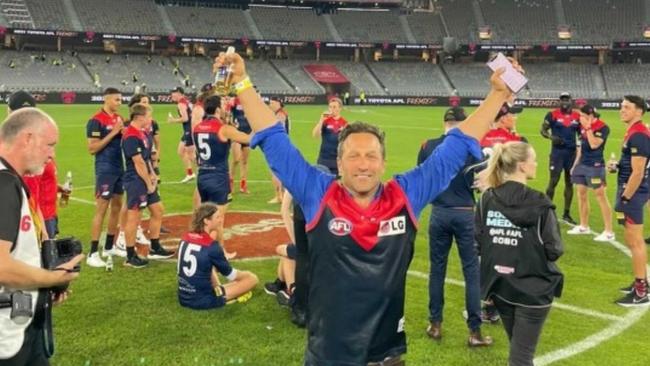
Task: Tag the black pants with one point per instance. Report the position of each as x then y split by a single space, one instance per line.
302 261
523 326
32 353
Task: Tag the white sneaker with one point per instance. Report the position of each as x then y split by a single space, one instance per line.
114 252
120 243
140 238
94 260
579 230
188 178
605 236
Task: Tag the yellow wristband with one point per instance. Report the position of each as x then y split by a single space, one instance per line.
243 85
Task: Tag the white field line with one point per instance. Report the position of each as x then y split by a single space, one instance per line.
571 308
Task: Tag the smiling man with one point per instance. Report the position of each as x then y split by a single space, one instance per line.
361 232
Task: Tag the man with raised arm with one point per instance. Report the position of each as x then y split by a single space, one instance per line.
361 231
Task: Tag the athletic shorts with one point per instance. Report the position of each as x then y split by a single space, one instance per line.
137 196
632 211
211 300
291 251
590 176
561 159
108 185
214 189
187 138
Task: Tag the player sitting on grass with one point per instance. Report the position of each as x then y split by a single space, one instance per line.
199 255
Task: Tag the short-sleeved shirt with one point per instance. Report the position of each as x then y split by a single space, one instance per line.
635 143
593 157
11 188
198 254
108 161
330 140
564 125
134 142
499 136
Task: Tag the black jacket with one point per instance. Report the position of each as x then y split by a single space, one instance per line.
519 241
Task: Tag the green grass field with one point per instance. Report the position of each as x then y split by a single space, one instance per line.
131 317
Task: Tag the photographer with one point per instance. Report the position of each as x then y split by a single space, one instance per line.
27 140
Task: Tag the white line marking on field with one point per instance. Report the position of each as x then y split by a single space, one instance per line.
81 200
571 308
604 335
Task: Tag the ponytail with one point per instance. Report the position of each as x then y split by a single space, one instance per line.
504 160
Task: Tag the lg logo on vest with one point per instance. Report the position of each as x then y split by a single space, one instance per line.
394 226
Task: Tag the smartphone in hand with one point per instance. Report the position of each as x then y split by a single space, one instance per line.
513 78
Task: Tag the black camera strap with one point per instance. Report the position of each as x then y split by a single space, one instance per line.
48 334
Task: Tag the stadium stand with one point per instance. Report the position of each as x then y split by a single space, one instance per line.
119 16
267 80
118 72
426 27
549 80
208 22
293 70
468 79
283 23
600 21
199 68
520 21
49 14
401 78
369 26
624 79
25 70
459 18
360 77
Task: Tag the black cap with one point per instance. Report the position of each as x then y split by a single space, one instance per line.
565 95
455 114
177 89
589 109
506 109
20 99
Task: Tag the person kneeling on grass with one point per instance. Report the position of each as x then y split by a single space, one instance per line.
200 258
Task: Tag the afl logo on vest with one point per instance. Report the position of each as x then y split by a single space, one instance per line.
340 226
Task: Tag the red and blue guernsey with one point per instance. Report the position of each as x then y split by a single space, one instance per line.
635 143
212 152
134 142
108 161
197 255
359 257
238 115
330 142
564 125
593 157
187 125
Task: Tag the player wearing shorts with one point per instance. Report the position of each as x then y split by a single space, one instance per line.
140 184
561 126
186 145
328 128
632 194
104 133
213 139
200 254
588 171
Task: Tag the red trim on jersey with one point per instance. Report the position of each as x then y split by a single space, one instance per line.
498 136
183 101
335 124
365 221
637 127
210 125
596 125
106 119
48 191
565 118
132 131
202 239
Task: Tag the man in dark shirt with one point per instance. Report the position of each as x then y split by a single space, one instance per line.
104 133
361 232
28 138
632 194
562 127
452 217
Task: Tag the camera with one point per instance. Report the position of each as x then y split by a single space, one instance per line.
56 252
20 304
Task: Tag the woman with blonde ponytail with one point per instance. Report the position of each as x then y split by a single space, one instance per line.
519 241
